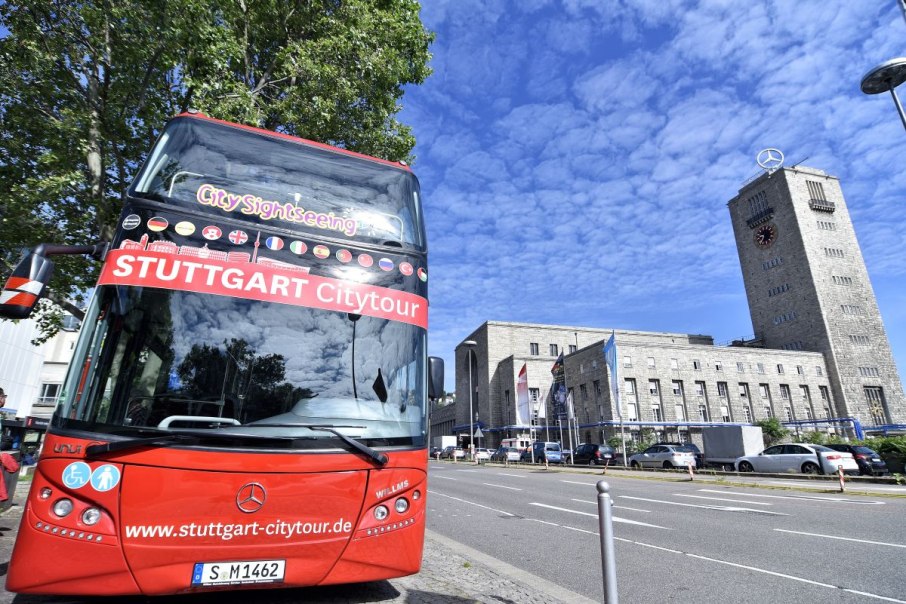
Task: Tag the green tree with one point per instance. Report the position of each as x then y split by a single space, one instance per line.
772 430
86 86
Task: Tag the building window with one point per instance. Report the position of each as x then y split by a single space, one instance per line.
763 389
718 366
596 385
815 190
533 349
789 413
740 367
554 350
784 392
572 348
852 309
650 362
869 372
583 392
831 252
877 406
677 388
630 386
838 280
760 367
780 368
674 364
825 394
49 394
725 413
632 412
825 225
772 263
627 361
860 340
696 364
652 387
699 389
747 414
722 389
656 413
800 370
680 412
534 395
768 412
818 370
703 412
744 391
774 291
808 413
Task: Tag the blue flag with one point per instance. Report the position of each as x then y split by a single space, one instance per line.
610 357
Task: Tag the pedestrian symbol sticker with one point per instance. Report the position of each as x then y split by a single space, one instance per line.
105 477
76 475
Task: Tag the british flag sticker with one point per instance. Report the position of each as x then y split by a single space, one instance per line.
238 237
211 232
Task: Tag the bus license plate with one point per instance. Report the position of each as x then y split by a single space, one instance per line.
238 572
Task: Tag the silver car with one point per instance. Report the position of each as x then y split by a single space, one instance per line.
663 456
798 457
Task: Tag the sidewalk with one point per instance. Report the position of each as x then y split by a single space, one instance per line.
451 574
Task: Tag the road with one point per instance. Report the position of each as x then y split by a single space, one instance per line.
678 540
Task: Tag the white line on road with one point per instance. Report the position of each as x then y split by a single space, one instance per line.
513 475
587 484
812 484
841 538
720 508
444 477
615 519
616 507
762 570
808 497
466 470
722 499
470 503
500 486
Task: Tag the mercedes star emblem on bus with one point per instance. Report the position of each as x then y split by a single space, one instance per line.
251 497
770 159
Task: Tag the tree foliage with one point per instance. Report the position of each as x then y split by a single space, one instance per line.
85 88
772 431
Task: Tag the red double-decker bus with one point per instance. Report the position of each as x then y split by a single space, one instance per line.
247 399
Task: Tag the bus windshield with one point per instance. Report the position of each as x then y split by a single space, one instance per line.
154 359
274 181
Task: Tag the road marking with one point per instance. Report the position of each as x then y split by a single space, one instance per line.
513 475
466 470
841 538
722 499
618 507
720 508
500 486
808 497
812 484
444 477
762 570
471 503
615 519
586 484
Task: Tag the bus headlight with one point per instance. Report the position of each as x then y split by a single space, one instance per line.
46 492
401 505
380 513
62 507
91 516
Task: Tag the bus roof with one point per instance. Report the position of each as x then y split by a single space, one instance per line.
201 116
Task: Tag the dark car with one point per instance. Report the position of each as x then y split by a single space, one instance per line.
699 456
593 454
870 463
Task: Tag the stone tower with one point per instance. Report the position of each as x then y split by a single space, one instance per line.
808 288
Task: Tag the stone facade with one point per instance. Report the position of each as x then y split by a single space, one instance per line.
808 287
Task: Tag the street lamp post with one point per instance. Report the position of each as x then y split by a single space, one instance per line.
886 77
471 344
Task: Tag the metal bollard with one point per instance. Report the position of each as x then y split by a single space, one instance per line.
608 555
691 473
842 480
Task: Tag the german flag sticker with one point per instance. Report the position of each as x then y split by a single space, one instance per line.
157 224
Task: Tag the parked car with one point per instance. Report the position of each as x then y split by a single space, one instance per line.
593 454
544 451
663 456
505 454
483 454
868 460
451 452
798 457
434 452
699 456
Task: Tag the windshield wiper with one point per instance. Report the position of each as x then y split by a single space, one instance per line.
137 443
378 457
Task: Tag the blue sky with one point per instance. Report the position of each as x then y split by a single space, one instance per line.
576 156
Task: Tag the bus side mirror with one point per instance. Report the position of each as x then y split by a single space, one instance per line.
435 377
26 285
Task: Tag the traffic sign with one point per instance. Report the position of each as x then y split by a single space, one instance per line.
478 433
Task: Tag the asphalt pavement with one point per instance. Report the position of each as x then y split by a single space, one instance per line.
451 573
